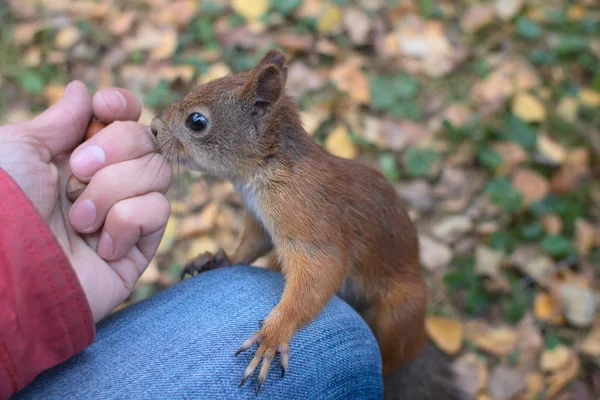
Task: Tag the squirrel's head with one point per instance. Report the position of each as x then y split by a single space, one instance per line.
224 127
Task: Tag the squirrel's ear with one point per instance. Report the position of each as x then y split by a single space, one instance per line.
277 57
265 86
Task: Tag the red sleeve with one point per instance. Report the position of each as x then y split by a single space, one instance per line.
44 315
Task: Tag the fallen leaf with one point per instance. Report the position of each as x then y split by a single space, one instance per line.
433 254
357 24
295 41
589 97
67 37
166 46
302 79
393 135
313 118
498 341
446 333
338 143
585 236
417 193
122 22
528 107
330 19
488 261
591 344
579 303
553 359
552 223
546 309
171 73
529 342
513 154
505 383
251 10
472 373
349 78
477 17
551 150
451 228
568 108
53 93
215 71
194 225
540 268
513 75
562 376
532 185
507 9
168 238
535 385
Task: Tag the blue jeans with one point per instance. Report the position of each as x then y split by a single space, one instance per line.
180 343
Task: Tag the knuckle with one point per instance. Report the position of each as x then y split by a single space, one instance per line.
123 214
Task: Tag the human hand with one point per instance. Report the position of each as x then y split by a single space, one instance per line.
112 231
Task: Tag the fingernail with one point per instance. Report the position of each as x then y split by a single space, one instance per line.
68 88
83 215
114 100
87 161
105 246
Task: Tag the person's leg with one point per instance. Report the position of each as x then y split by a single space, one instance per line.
181 342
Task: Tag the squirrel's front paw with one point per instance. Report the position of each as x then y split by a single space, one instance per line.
206 262
268 347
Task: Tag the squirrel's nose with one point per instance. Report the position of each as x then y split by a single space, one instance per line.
154 131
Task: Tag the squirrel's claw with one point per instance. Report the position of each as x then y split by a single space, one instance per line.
206 262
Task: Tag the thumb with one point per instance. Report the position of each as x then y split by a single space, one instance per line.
61 127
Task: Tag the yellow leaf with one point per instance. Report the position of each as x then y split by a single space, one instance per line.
53 92
251 10
562 376
499 341
546 309
446 333
551 149
330 19
67 37
535 384
215 71
528 107
568 108
167 45
169 236
349 78
591 344
589 97
339 143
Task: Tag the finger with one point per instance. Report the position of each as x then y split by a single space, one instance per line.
150 173
61 127
116 104
118 142
129 220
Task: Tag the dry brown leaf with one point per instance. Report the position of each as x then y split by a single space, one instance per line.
556 358
507 9
350 78
535 384
585 236
477 17
589 97
529 342
357 24
330 19
472 373
167 45
176 12
251 10
295 41
568 108
340 144
591 344
433 254
446 333
513 75
505 383
552 223
532 185
67 37
122 22
499 341
559 379
528 107
512 155
578 301
302 79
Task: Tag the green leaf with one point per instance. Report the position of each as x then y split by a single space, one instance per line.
478 300
419 162
514 309
571 44
542 57
389 166
286 7
404 86
557 246
502 241
202 28
31 81
532 231
518 131
490 158
502 193
527 29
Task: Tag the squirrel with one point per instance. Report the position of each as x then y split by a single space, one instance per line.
337 226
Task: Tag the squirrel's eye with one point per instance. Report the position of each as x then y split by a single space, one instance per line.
196 122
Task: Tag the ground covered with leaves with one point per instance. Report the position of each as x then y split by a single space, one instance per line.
484 114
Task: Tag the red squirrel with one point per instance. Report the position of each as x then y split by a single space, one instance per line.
338 227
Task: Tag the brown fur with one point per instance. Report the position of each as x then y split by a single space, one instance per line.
336 225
